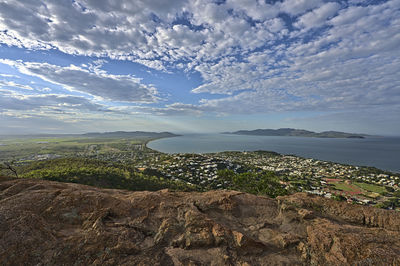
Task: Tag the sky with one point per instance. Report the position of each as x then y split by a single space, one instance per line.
188 66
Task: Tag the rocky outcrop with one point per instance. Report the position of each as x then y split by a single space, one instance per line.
50 223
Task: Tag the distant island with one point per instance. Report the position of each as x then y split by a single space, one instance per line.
297 133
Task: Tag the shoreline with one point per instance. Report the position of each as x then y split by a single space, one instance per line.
316 157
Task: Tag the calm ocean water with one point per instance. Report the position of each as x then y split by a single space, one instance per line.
383 153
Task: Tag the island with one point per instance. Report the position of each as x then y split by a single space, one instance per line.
297 133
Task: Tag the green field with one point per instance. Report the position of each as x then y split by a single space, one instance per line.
371 187
357 186
25 149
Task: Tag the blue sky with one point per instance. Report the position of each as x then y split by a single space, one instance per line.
199 65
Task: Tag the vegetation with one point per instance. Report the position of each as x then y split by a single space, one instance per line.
8 167
391 203
343 187
95 144
371 187
123 176
126 163
338 198
265 183
99 173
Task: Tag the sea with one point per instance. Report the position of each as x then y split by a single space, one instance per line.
379 152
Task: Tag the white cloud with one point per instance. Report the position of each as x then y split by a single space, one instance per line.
321 55
6 83
139 31
318 16
177 109
8 76
14 101
350 15
257 10
295 7
351 65
98 83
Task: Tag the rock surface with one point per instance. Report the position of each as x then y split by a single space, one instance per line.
50 223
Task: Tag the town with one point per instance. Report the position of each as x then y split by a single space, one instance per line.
355 184
362 185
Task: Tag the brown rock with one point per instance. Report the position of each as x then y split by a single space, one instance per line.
50 223
305 214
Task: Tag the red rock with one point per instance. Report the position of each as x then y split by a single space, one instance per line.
50 223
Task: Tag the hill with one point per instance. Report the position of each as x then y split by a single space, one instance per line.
99 173
114 134
51 223
130 134
297 133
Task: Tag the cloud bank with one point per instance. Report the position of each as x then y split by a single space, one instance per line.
252 56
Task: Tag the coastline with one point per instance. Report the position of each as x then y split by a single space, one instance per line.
198 144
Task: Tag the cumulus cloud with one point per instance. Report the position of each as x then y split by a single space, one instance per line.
318 16
255 56
257 10
140 31
97 83
295 7
353 64
117 30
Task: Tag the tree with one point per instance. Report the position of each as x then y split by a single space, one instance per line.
9 166
339 198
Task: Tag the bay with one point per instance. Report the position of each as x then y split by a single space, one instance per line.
380 152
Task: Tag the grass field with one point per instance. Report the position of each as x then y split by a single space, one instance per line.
371 187
349 189
25 148
359 188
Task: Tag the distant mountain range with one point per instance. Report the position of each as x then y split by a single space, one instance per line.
130 134
115 134
297 133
